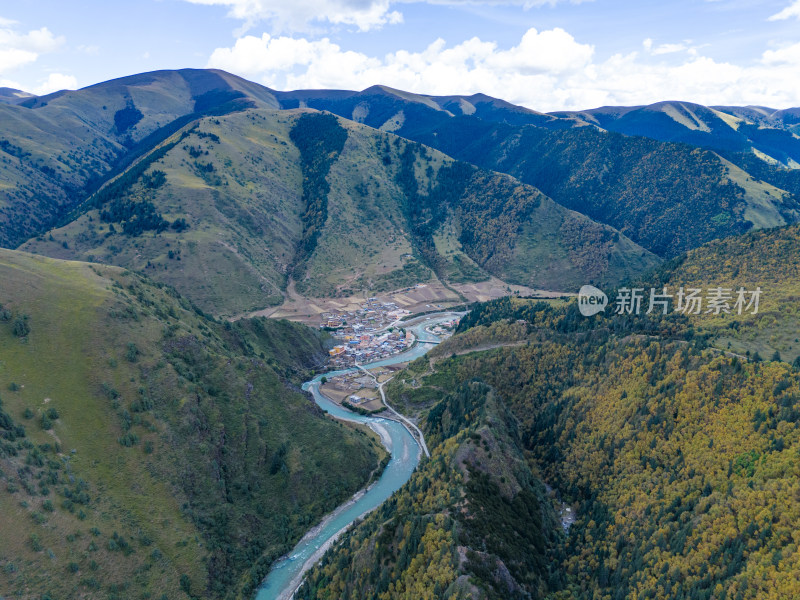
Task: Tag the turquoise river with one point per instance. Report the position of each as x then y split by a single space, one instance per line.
287 573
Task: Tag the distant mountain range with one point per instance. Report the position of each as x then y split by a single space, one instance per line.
12 96
232 192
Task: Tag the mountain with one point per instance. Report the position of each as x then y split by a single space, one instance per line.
59 148
670 464
761 141
236 196
765 132
390 109
12 96
642 187
236 209
473 521
146 449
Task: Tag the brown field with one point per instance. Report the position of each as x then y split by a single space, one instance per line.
424 298
338 396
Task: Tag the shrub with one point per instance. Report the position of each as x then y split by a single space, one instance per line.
132 353
129 439
21 327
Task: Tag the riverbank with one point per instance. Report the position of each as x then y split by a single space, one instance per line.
406 450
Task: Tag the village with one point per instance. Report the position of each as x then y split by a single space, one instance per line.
371 332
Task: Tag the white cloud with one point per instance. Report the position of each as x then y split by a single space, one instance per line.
91 50
546 70
19 49
668 48
790 55
11 58
54 83
554 51
298 15
793 10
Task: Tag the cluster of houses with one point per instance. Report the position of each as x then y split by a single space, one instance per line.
368 347
370 316
445 328
361 334
356 388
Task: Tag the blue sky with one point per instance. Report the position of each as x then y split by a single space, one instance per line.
545 55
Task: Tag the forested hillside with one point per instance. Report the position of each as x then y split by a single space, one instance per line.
149 451
473 521
765 259
595 163
678 460
757 131
668 198
233 208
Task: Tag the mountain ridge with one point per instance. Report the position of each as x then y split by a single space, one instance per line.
217 180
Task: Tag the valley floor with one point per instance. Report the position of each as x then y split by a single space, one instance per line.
423 297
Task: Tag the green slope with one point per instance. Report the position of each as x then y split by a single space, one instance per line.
235 182
667 197
669 193
473 521
56 149
230 207
146 451
758 131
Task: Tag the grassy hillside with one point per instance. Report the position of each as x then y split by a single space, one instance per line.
678 462
407 113
56 149
644 188
764 131
233 182
231 207
148 451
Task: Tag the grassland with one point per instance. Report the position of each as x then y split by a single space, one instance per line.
164 455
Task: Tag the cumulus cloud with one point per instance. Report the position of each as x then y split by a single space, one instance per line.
789 55
54 83
791 11
19 49
298 15
546 70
